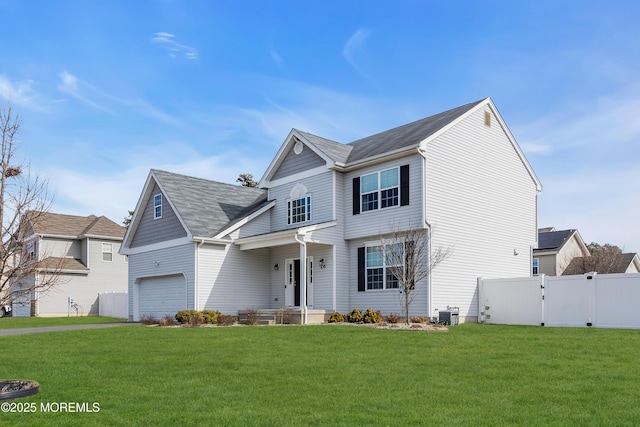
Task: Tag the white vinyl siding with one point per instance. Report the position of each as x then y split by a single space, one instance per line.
177 260
381 221
481 202
318 186
230 280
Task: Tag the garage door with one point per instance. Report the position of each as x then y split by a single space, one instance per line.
159 296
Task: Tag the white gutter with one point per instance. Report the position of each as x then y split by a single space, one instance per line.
303 275
423 154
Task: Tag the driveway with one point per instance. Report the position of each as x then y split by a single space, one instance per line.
23 331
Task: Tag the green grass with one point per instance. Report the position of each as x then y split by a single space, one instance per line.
474 375
36 322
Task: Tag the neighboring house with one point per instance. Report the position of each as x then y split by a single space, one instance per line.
82 252
320 213
556 250
628 263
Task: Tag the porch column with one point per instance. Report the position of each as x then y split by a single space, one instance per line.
303 275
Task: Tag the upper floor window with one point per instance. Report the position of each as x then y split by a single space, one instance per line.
299 210
31 250
299 205
535 266
379 190
107 252
157 206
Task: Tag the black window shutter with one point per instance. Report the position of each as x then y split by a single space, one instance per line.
404 185
356 196
362 271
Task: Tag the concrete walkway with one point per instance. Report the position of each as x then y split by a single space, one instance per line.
23 331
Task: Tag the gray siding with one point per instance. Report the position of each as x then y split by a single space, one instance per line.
259 225
384 220
170 261
59 248
319 186
481 201
83 288
294 163
151 230
230 280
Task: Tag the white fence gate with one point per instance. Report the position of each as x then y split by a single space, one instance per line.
598 300
114 304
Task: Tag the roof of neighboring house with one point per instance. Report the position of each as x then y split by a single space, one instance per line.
553 240
604 268
628 258
205 206
72 225
63 264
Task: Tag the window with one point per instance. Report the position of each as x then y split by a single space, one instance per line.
107 252
535 266
31 250
157 206
379 190
299 210
378 260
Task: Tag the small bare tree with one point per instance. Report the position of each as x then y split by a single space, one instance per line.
409 258
24 202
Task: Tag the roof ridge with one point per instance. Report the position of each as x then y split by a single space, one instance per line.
208 180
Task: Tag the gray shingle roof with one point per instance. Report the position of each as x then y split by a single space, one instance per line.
628 257
206 206
404 136
553 239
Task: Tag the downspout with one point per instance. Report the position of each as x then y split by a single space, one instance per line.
303 275
423 154
195 275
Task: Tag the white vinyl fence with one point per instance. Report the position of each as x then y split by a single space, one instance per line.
597 300
114 304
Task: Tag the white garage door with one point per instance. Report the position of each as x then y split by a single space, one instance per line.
159 296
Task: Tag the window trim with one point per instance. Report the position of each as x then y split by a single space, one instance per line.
535 267
108 252
307 207
157 198
379 190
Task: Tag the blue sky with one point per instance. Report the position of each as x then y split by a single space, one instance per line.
109 89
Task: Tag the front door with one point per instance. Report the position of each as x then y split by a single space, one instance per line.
296 282
293 291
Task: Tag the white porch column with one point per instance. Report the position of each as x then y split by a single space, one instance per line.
303 275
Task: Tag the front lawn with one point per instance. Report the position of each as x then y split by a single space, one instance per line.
330 375
36 322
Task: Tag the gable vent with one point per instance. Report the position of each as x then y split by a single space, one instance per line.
487 118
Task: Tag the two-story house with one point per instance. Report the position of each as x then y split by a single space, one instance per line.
309 236
81 252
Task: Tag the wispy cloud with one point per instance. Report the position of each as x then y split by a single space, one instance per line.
23 94
167 41
275 56
354 46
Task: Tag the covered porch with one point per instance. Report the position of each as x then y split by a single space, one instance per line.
302 276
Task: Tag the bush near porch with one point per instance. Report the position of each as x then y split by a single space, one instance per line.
298 375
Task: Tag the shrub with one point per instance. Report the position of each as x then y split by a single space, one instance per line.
148 319
227 319
420 319
371 316
210 316
355 316
167 320
252 317
393 318
336 318
196 319
183 316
